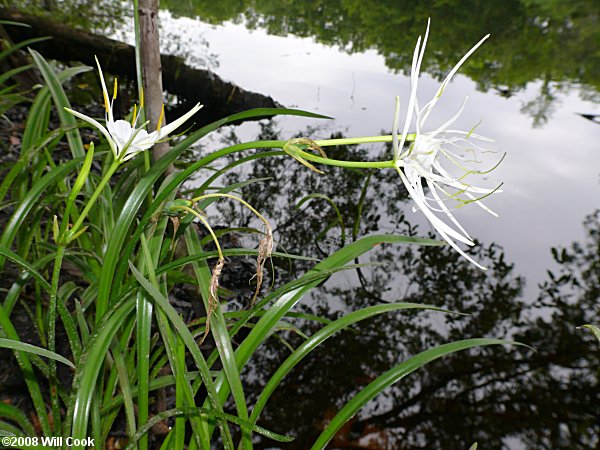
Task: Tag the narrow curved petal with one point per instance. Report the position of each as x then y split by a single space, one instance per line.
395 129
99 126
453 72
146 140
414 77
450 121
445 209
169 128
104 92
437 223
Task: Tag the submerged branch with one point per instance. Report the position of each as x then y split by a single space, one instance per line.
190 85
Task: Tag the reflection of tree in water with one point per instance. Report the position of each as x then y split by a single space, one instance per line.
93 15
552 41
548 399
541 108
532 40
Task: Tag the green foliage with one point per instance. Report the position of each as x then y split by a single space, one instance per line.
490 396
105 247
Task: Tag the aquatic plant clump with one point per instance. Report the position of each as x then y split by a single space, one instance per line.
133 234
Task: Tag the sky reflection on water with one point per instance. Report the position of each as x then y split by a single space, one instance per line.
550 173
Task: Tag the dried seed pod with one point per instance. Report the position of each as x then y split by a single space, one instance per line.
265 248
213 297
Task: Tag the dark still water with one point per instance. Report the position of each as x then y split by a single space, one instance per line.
534 85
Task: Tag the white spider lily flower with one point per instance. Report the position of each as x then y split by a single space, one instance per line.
128 139
422 161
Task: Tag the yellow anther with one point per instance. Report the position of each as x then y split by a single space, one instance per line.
106 105
134 115
161 117
115 89
141 97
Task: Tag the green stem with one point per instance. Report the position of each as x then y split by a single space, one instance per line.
348 164
95 195
361 140
54 397
351 141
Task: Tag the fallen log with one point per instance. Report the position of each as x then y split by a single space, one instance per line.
220 98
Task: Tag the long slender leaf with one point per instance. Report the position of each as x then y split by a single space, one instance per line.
201 411
61 101
318 338
393 376
219 328
13 48
30 200
185 335
66 318
16 415
88 369
280 308
24 347
8 330
39 113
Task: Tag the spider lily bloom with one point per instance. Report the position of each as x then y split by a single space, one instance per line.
128 139
422 161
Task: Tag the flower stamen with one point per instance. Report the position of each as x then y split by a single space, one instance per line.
161 117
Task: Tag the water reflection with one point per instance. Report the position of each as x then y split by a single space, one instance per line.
551 41
549 399
496 396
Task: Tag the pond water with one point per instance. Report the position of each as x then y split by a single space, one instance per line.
550 172
528 85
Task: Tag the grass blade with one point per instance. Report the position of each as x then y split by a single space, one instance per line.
319 337
392 376
30 200
201 411
219 327
61 101
88 370
24 347
185 335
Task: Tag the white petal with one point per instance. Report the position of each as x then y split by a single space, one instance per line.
481 205
131 152
167 129
437 223
144 140
104 91
97 124
395 129
459 250
451 121
414 79
445 209
121 132
139 141
453 72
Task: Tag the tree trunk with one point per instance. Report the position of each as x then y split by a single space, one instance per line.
152 71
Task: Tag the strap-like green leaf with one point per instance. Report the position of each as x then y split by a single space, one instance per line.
319 337
392 376
24 347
